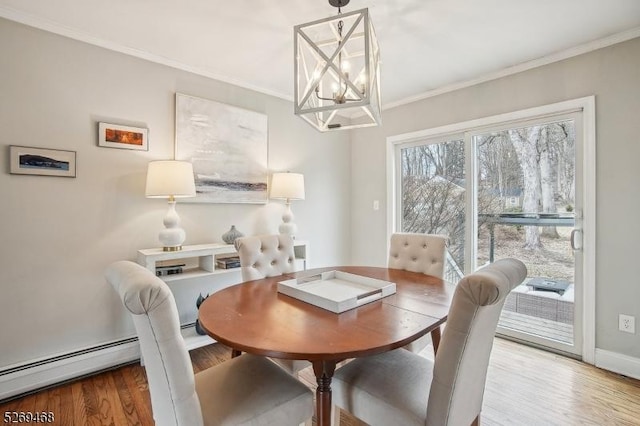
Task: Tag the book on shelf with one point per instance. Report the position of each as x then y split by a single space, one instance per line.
228 262
164 271
159 268
228 266
169 263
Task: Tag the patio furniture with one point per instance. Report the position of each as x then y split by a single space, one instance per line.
548 305
548 284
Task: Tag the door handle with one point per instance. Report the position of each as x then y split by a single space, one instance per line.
572 238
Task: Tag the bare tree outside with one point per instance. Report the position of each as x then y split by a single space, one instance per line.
532 165
528 173
433 193
526 170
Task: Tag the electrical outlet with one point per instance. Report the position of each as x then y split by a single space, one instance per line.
627 323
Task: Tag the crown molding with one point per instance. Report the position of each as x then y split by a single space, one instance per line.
545 60
59 29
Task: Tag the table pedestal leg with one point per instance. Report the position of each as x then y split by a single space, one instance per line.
435 338
324 373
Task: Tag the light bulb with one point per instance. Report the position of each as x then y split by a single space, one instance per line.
362 83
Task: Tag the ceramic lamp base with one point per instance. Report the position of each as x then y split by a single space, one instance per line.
287 226
288 229
173 235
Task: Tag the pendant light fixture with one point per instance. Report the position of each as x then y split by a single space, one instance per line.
337 71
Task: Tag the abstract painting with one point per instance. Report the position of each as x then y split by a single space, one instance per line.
228 148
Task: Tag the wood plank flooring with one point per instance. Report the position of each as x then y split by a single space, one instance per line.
525 386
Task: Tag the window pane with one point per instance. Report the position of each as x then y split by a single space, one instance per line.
433 196
526 198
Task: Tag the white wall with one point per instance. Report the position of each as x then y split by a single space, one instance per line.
613 76
58 234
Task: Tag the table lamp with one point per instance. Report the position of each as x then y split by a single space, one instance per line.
171 179
287 186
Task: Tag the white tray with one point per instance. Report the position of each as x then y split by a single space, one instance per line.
337 291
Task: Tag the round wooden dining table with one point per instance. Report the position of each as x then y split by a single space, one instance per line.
254 317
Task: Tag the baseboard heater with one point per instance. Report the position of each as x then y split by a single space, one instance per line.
22 379
66 356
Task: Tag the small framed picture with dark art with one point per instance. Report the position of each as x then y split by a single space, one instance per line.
24 160
123 137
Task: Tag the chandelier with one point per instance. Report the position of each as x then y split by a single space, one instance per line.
337 71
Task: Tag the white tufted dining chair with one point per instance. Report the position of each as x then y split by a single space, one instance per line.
269 256
403 388
423 253
265 256
247 390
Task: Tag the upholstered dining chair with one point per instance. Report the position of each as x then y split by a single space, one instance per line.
247 390
265 256
423 253
403 388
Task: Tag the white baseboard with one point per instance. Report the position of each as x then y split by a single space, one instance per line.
47 373
618 363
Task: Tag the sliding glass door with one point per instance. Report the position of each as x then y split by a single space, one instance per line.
512 189
526 204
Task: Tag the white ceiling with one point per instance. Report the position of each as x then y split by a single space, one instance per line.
426 45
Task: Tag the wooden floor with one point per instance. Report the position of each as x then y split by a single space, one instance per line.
525 386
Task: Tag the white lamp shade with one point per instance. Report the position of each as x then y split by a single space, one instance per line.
287 186
167 178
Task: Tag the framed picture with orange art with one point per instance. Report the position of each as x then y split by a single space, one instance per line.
123 137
